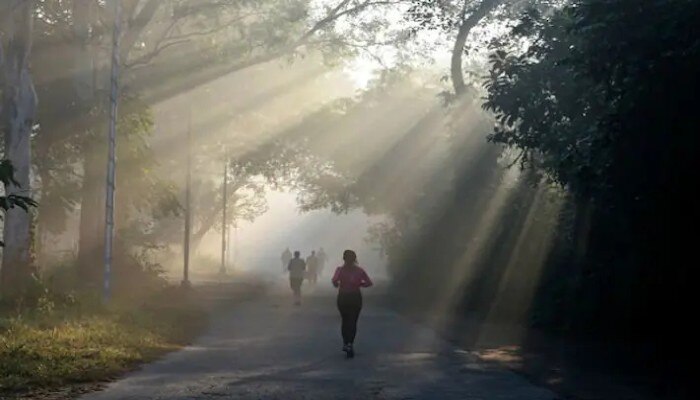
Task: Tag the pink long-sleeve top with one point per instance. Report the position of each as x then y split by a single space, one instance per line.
350 279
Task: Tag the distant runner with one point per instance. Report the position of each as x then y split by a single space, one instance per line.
312 267
297 270
322 258
349 278
286 258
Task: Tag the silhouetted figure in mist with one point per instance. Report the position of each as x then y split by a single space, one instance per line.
286 258
297 270
322 258
349 278
312 267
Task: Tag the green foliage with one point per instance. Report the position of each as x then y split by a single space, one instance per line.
62 344
155 37
577 96
11 201
445 15
601 96
8 202
545 107
57 335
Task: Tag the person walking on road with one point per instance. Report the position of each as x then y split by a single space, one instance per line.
312 267
322 258
286 258
349 278
297 270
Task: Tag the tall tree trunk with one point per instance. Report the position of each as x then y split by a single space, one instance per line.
85 71
91 229
468 23
18 109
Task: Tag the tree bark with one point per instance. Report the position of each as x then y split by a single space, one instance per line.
85 71
91 232
18 109
468 23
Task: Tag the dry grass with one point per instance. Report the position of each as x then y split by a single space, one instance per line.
71 345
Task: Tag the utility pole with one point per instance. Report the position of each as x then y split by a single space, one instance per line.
111 159
229 247
222 270
188 214
235 243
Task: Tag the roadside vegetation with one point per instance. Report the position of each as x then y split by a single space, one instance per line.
55 339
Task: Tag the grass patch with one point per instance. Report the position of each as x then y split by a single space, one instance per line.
81 343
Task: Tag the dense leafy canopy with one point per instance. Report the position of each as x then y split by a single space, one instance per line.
584 95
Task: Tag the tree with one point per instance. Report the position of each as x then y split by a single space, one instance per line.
152 29
595 98
223 33
456 17
17 121
245 200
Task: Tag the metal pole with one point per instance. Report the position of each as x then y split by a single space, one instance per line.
235 243
222 270
229 247
111 160
188 215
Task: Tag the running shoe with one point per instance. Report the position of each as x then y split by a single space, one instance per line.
349 352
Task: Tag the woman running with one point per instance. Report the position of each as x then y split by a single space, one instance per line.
349 278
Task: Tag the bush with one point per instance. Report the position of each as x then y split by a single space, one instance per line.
62 343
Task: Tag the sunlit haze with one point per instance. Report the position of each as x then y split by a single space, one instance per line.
488 199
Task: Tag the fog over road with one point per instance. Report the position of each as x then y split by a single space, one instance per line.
269 349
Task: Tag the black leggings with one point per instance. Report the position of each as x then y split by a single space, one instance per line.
349 305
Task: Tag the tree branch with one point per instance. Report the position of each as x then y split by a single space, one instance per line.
335 14
461 40
137 24
167 41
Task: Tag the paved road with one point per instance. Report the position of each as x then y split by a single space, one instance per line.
269 349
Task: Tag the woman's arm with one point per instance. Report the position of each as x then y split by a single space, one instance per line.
366 282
